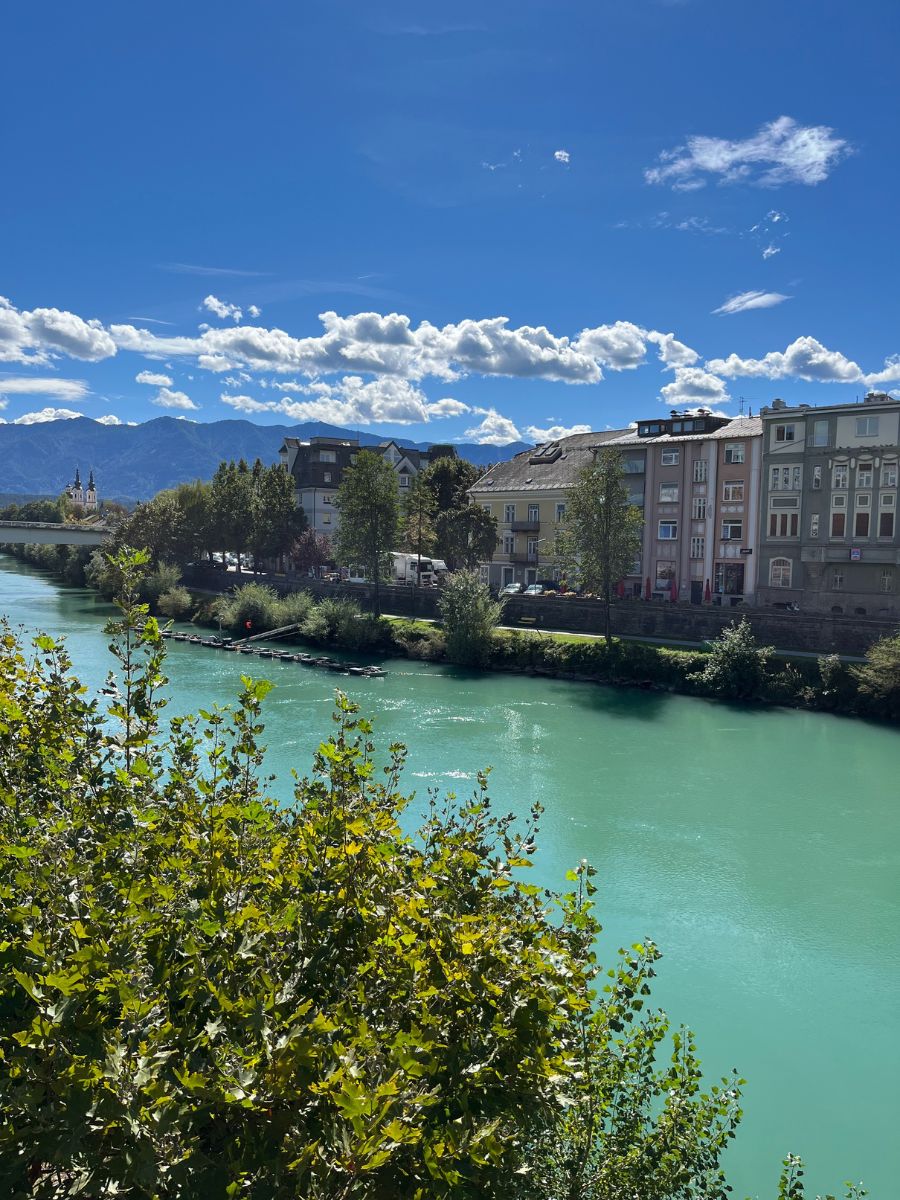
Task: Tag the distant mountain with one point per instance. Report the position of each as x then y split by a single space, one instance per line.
133 462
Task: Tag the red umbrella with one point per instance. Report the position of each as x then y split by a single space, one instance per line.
620 589
673 593
707 594
647 589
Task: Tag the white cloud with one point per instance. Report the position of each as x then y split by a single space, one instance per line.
804 358
562 156
109 419
254 311
47 414
222 308
780 152
672 352
770 251
494 430
153 378
38 336
447 408
166 398
692 385
748 300
555 432
245 404
620 346
59 389
889 374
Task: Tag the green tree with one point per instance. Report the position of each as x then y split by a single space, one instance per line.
737 667
465 534
878 679
277 521
231 504
469 616
369 511
600 534
419 509
207 993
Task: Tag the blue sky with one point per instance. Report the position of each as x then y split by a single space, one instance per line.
468 221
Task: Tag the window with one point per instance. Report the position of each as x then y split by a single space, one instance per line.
649 429
404 480
487 508
327 498
532 547
509 543
796 478
733 490
665 573
840 476
353 458
886 524
509 513
864 500
732 531
734 452
780 572
698 508
889 475
837 578
866 426
838 524
864 475
814 525
327 456
534 513
817 478
668 531
698 547
560 511
668 493
668 458
782 524
820 433
861 524
326 518
887 579
700 469
784 433
326 477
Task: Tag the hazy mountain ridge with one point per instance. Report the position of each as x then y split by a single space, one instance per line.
136 461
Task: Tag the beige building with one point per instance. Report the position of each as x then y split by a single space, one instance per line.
527 495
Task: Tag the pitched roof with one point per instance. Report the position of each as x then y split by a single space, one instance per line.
548 467
739 427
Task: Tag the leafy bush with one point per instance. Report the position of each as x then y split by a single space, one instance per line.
294 608
469 617
175 603
879 679
736 667
315 625
253 602
163 578
205 993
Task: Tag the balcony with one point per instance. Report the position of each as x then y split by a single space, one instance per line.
523 556
525 526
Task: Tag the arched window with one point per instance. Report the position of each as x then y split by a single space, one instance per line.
780 572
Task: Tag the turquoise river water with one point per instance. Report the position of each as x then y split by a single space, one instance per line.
758 848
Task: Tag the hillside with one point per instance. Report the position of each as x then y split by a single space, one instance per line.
136 461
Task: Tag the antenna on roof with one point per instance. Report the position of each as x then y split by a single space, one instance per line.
741 398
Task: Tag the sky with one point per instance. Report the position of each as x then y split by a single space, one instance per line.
474 221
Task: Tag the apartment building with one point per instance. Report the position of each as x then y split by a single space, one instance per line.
698 478
527 495
318 466
829 540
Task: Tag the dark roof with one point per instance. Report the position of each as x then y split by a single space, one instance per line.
547 467
739 427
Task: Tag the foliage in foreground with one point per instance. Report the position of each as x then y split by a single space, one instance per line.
206 994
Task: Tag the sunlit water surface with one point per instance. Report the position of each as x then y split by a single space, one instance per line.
759 849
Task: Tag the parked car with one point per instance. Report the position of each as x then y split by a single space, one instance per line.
511 589
535 589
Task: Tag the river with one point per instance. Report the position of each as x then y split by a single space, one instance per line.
758 848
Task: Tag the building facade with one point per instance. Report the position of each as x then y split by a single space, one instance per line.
699 477
86 497
829 539
318 465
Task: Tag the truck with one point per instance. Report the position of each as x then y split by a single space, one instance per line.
411 569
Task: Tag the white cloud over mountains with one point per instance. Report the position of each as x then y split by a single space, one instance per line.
779 153
353 401
36 337
59 389
47 414
153 378
166 398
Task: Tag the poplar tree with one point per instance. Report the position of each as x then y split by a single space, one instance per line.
369 510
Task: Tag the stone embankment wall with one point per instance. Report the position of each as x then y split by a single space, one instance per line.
630 618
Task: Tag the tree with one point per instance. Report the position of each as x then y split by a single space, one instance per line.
469 617
418 513
277 520
231 517
311 550
464 533
879 678
207 993
600 534
737 666
369 511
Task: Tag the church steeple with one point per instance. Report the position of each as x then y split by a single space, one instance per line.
77 478
91 482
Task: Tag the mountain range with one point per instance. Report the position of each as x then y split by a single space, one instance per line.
134 462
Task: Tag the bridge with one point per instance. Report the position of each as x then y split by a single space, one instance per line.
47 533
